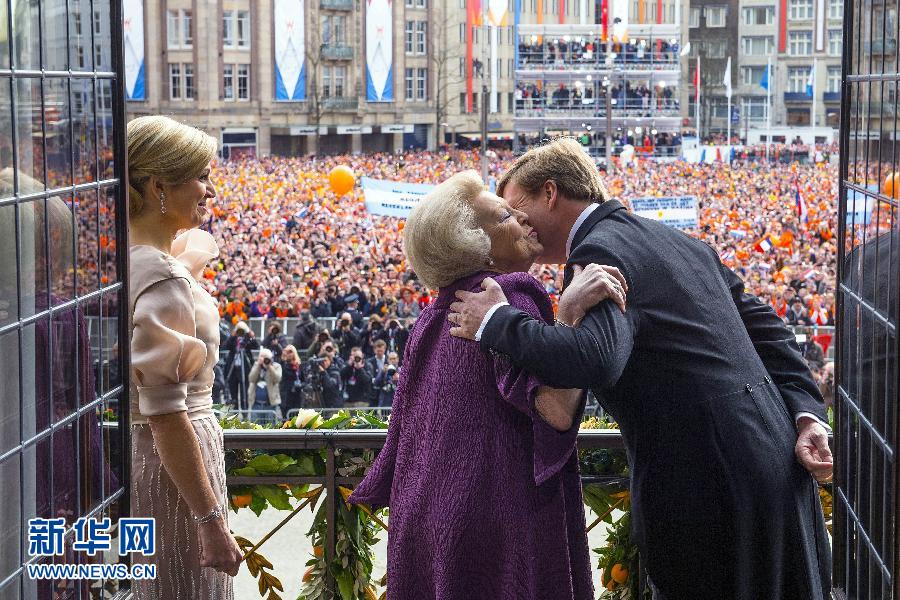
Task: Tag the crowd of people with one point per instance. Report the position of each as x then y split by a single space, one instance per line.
291 248
585 51
590 97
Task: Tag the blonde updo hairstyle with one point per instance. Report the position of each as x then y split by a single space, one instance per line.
162 147
442 239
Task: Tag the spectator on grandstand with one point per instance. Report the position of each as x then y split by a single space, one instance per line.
345 335
240 346
373 332
798 314
396 337
356 380
264 383
306 331
292 379
321 305
813 353
351 304
407 306
818 314
386 381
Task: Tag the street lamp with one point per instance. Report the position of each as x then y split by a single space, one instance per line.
453 129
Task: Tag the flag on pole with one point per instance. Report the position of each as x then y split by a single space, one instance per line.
727 80
764 245
697 81
764 82
810 81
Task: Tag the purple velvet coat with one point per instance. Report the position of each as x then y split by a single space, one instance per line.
484 496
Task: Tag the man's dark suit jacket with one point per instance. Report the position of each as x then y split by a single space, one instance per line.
704 381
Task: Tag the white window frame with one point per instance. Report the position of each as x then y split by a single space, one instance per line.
694 17
748 74
421 37
245 67
409 84
796 79
228 74
835 42
190 82
716 16
748 41
243 29
229 31
326 81
800 43
833 80
421 84
175 82
836 9
339 79
748 104
800 10
179 34
409 36
750 14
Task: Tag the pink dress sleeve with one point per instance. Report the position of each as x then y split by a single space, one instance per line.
165 355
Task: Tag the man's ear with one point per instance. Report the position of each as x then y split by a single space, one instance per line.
551 194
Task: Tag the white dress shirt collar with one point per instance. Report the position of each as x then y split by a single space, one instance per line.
578 223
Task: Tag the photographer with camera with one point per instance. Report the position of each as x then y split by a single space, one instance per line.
357 381
396 336
306 332
346 336
323 381
265 377
387 379
292 379
275 341
373 332
240 346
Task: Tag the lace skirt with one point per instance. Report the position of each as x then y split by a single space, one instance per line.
153 494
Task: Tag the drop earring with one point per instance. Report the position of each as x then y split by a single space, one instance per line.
162 202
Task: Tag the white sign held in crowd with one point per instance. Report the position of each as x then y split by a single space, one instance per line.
392 198
674 211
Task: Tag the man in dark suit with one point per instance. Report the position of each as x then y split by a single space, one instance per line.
706 382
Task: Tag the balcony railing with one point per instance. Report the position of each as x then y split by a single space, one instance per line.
538 60
340 104
336 4
594 107
796 97
337 52
831 96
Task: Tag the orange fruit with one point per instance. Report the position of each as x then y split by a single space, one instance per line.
308 574
619 573
891 185
318 551
242 500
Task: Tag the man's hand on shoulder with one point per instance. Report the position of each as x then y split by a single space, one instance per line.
468 312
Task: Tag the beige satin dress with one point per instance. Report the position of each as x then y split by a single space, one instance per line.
174 348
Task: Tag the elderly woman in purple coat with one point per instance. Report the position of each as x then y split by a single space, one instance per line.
479 468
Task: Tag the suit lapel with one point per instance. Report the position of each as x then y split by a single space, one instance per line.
603 211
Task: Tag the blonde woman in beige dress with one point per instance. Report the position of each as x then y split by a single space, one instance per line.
178 467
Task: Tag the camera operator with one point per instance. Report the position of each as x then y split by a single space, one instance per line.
292 379
346 336
396 337
323 383
357 381
274 341
265 377
306 331
387 379
240 346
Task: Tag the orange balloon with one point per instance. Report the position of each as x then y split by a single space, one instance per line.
891 185
341 179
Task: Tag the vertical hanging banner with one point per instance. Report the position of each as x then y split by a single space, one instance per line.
133 18
290 50
497 18
379 51
620 21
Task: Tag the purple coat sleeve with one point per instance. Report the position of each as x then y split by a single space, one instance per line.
551 448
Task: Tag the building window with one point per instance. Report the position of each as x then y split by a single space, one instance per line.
236 29
174 81
752 75
410 85
421 32
409 36
833 80
462 103
79 56
228 82
462 33
800 10
716 49
340 30
835 9
694 16
797 78
510 68
462 66
178 30
340 79
76 21
800 43
189 93
759 15
835 41
753 109
421 3
421 85
243 82
760 45
716 16
326 81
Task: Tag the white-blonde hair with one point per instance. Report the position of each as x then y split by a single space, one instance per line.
162 147
442 239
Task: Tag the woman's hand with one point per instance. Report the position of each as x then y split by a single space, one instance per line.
589 287
218 548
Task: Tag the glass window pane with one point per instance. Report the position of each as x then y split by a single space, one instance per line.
104 129
29 131
57 133
81 57
26 35
88 246
82 109
56 40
